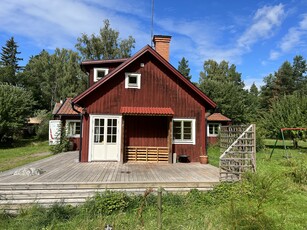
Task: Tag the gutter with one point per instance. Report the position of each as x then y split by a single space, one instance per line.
81 129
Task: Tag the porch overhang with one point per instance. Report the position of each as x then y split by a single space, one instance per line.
146 111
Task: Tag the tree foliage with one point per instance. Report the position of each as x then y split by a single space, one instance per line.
9 66
288 79
106 45
52 77
223 84
184 69
16 106
221 72
289 111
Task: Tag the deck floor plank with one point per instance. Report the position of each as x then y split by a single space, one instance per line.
65 167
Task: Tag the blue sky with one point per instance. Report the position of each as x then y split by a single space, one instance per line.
256 36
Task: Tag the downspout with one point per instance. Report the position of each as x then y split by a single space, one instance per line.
81 129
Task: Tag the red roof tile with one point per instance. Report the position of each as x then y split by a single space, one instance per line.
147 111
66 108
218 117
56 107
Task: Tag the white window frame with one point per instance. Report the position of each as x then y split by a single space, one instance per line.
96 70
68 131
193 132
133 86
215 134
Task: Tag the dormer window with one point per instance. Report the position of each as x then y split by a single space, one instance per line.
133 80
100 73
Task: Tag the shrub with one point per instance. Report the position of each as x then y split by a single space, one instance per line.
64 144
106 203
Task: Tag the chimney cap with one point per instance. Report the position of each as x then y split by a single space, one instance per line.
166 37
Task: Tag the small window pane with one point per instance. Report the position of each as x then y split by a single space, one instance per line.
132 80
96 122
109 139
101 139
101 122
96 130
78 128
114 122
101 74
114 139
96 138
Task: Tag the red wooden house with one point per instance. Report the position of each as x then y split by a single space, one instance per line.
214 123
70 120
141 109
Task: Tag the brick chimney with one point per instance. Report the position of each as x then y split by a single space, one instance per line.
161 43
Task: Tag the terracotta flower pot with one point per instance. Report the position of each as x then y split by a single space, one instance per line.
203 159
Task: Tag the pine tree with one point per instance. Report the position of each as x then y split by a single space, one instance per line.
223 84
9 62
184 69
299 67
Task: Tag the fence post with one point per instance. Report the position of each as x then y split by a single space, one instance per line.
159 208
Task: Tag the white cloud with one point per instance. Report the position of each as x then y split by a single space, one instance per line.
56 23
274 55
199 40
294 38
266 19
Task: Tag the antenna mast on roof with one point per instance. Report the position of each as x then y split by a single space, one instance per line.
152 18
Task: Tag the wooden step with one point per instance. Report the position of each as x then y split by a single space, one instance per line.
13 196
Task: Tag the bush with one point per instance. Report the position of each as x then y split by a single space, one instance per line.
106 203
64 144
16 105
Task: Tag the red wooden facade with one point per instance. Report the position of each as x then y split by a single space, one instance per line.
161 86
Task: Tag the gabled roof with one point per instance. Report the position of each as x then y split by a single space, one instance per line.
65 108
86 65
217 117
146 49
147 111
56 107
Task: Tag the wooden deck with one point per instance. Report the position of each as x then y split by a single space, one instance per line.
66 180
65 168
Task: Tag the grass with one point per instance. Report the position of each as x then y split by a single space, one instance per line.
273 198
26 151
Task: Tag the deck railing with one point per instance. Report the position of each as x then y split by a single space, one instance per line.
240 156
147 153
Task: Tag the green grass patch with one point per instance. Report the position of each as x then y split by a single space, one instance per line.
26 151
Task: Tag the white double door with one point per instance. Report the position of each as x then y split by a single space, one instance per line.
105 138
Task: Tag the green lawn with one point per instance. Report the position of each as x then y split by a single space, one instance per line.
273 198
28 151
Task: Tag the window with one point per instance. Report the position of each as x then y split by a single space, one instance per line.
184 131
213 129
133 80
99 131
100 73
73 128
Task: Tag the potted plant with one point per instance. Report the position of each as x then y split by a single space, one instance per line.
203 159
